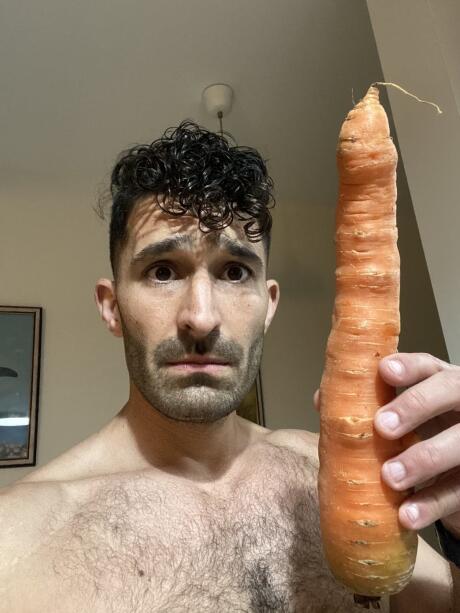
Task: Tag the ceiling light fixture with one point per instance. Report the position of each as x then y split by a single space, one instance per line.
217 100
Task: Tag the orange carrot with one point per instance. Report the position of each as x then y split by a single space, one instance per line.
366 547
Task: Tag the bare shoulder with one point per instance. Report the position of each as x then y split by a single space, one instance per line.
82 461
25 519
20 497
302 442
32 507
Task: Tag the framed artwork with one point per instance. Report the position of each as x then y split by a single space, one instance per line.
20 335
252 407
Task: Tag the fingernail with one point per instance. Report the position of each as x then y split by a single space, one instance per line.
388 420
412 512
396 470
395 366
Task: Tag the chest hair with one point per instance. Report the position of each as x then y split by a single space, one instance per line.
144 544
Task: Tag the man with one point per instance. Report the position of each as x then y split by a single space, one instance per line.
177 504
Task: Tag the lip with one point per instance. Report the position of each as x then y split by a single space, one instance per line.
201 359
199 364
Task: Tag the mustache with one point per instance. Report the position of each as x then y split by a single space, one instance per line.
173 350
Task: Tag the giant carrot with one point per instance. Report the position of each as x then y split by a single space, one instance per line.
366 547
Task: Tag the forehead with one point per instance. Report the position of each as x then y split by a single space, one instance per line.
148 223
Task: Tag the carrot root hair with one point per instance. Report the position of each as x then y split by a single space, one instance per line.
404 91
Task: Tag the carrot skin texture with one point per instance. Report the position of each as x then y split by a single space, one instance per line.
366 547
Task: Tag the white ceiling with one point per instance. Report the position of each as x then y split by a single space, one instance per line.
82 80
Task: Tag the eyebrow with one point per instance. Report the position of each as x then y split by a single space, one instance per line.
180 242
183 242
238 250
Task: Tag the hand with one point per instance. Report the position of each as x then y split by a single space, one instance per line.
430 406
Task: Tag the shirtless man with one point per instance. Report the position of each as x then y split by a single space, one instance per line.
177 504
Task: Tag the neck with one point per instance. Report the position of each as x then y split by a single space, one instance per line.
195 451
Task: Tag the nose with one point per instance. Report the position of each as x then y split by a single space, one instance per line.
198 313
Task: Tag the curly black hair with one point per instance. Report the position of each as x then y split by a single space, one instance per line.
198 172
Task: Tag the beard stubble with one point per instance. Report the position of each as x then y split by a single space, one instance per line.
196 397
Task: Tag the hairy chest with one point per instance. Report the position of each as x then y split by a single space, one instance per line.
146 545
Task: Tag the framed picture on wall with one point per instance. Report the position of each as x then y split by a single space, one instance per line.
252 407
20 337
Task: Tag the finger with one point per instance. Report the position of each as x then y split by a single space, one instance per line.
418 404
403 369
432 503
424 460
316 399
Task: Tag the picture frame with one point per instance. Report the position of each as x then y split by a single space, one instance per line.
20 352
252 407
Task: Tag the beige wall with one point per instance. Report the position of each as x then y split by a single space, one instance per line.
419 48
52 250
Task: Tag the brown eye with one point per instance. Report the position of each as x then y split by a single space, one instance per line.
161 273
237 272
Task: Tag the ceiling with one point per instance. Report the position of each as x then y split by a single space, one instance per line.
82 80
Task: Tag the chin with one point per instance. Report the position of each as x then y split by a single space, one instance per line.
197 405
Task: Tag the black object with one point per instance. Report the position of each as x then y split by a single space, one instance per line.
7 372
365 602
449 544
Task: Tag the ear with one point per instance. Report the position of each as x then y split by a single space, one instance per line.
273 298
105 297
